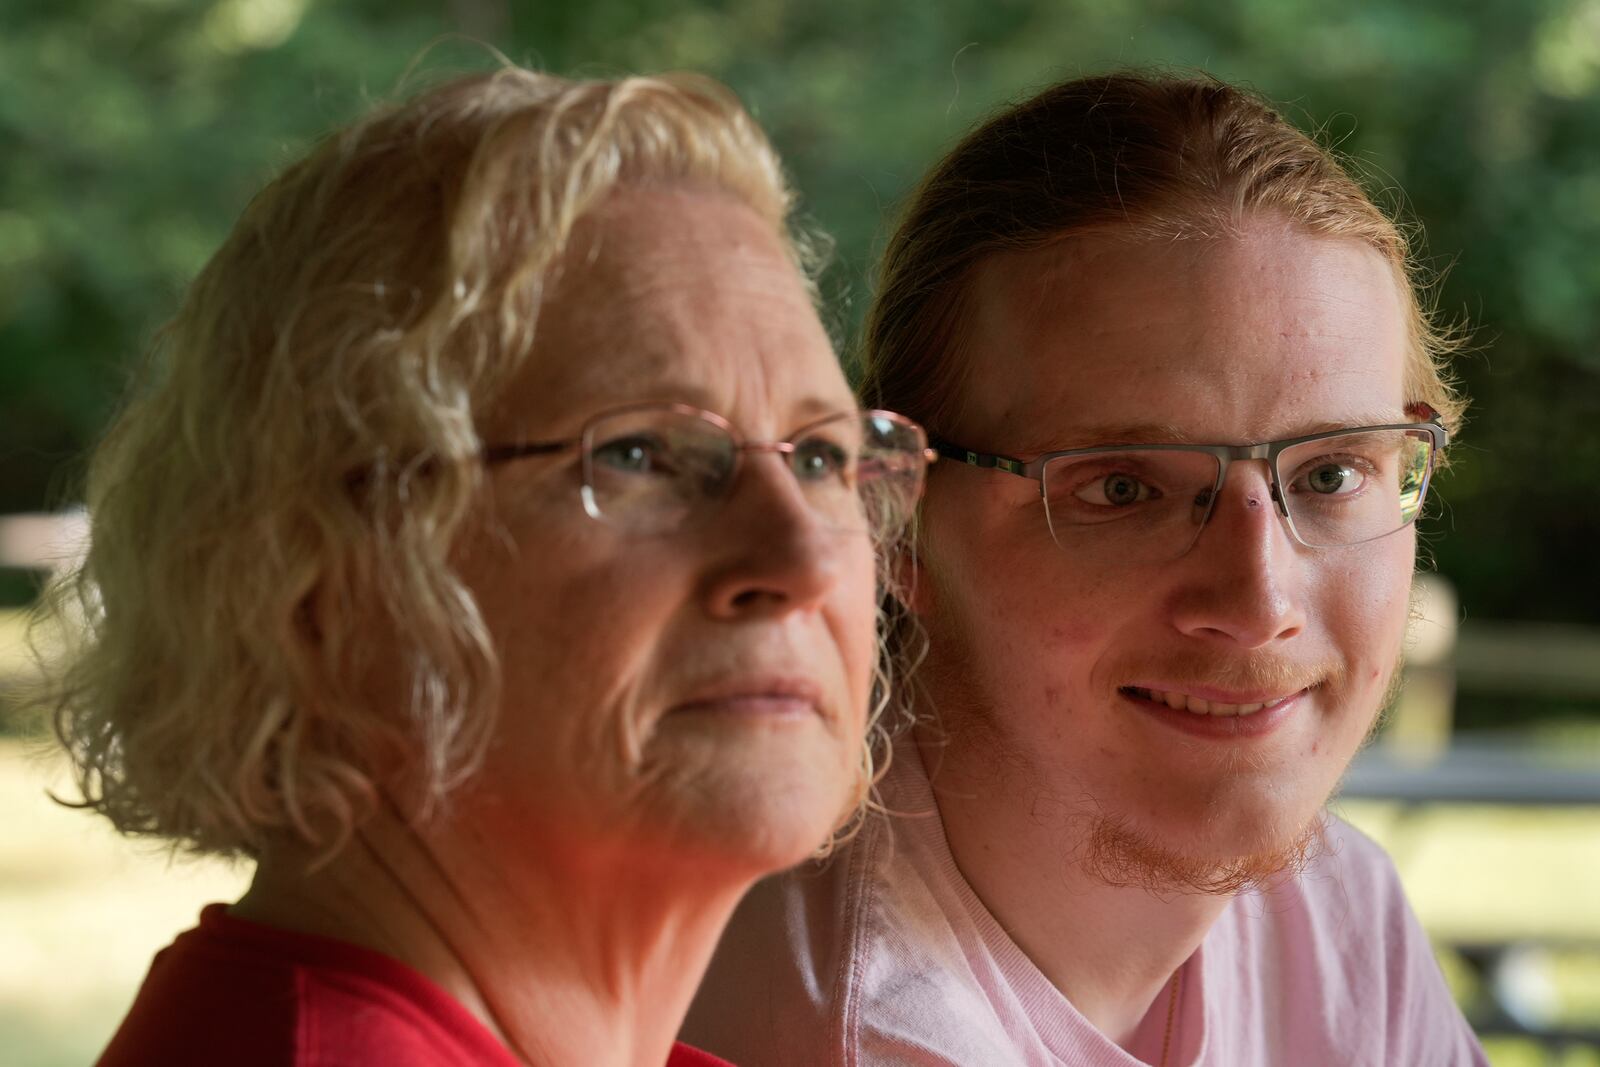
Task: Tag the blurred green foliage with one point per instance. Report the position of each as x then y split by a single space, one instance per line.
132 132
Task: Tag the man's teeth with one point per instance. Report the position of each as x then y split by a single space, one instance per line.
1183 702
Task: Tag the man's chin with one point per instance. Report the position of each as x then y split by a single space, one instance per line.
1123 856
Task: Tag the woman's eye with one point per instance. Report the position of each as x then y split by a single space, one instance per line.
816 459
633 455
1331 479
1116 491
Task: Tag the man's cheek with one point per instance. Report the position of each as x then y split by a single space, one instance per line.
1366 606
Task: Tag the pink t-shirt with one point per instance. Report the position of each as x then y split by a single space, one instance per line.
886 956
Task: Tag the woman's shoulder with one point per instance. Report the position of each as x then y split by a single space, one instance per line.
237 992
202 1001
689 1056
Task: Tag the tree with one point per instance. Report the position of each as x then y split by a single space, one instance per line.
133 133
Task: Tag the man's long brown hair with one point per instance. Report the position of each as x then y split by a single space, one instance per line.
1154 156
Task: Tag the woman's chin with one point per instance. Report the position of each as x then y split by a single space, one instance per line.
760 803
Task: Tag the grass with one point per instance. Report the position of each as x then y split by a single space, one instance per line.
82 910
1482 872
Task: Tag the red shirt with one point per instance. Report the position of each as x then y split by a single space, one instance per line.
238 993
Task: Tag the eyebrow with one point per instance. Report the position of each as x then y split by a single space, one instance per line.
1370 418
1166 433
1148 433
797 414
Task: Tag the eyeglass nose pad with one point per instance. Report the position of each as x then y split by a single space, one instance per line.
1277 499
1199 514
1205 503
715 486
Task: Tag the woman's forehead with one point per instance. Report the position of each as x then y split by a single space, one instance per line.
674 296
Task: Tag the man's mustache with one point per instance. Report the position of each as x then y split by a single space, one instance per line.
1258 671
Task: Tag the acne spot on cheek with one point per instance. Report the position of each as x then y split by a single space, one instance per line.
1052 696
1315 745
1070 636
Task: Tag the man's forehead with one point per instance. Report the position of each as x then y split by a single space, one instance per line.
1067 434
1013 285
1108 340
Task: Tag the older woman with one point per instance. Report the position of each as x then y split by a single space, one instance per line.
489 555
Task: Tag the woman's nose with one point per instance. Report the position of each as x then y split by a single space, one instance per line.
773 552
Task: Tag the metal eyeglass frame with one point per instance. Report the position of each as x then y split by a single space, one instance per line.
494 454
1225 456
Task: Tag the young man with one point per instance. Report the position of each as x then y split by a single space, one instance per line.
1189 402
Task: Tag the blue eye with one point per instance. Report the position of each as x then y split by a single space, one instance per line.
637 454
1334 477
817 458
1116 490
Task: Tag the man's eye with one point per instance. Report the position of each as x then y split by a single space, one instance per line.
816 459
1335 478
639 454
1116 491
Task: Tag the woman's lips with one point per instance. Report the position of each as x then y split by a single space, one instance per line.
760 696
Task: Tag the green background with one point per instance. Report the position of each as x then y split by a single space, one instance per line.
131 134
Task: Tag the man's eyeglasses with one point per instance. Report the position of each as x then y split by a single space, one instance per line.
654 467
1148 503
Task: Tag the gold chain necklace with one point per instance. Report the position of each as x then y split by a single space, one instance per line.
1172 1011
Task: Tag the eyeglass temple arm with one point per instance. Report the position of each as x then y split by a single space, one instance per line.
986 460
1425 412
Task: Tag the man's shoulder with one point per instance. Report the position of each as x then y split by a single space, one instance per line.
882 955
1350 877
1336 954
1346 852
1340 924
1352 849
773 990
1347 883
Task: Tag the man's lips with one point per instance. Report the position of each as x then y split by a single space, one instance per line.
1204 700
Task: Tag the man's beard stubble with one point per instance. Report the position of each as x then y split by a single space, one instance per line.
1119 855
1105 844
1116 854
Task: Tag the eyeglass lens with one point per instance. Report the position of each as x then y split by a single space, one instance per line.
1148 506
656 469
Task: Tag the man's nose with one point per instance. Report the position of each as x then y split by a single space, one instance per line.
1242 576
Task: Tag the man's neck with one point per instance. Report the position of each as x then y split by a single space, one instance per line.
583 964
1110 950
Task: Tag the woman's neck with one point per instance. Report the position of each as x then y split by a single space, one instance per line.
575 959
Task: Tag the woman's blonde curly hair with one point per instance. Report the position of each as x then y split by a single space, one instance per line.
274 509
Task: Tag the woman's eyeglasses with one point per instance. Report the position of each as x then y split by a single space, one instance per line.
649 468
